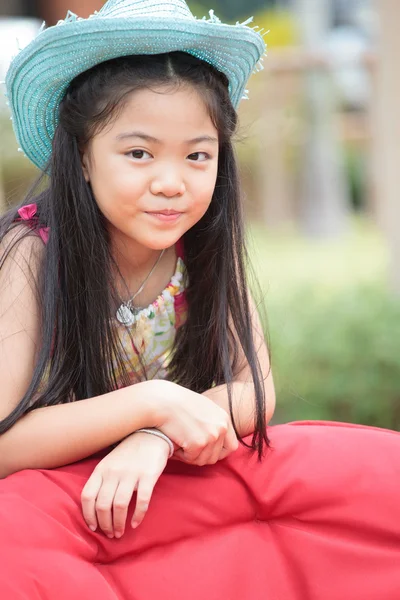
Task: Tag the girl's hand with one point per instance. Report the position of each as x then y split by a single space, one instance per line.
198 426
135 464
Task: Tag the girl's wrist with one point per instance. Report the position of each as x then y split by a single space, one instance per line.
134 438
162 436
140 398
152 395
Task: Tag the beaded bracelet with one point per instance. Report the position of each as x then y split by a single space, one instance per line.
162 436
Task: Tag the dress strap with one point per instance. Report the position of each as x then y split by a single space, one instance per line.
180 300
179 248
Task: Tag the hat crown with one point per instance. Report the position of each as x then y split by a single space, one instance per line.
40 74
145 8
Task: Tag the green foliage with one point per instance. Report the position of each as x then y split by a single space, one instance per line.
335 334
199 9
231 9
281 27
338 358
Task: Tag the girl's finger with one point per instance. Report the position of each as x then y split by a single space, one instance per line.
205 455
224 453
144 492
88 499
190 456
231 442
212 455
179 454
104 505
122 499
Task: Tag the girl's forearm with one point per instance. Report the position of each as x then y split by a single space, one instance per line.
54 436
243 404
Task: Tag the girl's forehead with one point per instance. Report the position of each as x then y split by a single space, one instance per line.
180 111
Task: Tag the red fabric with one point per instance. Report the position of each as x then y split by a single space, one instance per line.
319 518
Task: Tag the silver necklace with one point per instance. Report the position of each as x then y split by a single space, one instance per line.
126 313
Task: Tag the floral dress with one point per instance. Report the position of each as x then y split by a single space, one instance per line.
149 342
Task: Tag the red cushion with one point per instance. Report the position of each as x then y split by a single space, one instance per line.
319 518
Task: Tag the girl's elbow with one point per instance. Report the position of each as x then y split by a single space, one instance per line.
270 403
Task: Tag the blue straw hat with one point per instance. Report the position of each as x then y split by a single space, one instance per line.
40 74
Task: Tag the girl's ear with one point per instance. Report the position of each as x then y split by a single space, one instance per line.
85 166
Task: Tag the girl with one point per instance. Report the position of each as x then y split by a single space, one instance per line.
136 304
128 332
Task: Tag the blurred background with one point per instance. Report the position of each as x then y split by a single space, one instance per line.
320 160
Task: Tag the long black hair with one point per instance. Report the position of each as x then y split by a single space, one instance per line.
79 352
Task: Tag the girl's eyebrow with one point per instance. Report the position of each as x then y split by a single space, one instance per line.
150 138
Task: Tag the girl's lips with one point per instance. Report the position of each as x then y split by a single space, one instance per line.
165 217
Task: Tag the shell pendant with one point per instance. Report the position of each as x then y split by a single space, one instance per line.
125 315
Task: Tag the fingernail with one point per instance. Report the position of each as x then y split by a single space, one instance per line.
134 525
118 534
92 527
110 536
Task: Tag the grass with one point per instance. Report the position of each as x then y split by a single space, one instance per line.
289 260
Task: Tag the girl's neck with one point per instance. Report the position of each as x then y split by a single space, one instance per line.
131 257
134 262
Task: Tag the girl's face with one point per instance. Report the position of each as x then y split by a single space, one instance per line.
153 171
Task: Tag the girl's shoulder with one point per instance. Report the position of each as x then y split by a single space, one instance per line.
21 244
21 259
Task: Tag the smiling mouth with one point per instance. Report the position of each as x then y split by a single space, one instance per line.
166 212
165 216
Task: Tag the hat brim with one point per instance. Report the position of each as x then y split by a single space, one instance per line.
40 74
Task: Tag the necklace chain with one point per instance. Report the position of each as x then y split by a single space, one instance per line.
126 312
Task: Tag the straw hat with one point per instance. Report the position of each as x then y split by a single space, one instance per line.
40 74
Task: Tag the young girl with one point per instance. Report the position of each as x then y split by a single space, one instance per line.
128 334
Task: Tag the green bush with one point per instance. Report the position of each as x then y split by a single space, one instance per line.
335 340
338 357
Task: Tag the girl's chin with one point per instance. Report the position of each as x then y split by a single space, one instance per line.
158 241
152 238
160 244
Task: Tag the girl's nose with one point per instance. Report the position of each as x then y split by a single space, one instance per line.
169 185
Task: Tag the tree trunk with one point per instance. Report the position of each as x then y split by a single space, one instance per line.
323 201
387 133
54 10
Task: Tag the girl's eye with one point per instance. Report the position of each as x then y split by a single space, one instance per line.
197 154
138 154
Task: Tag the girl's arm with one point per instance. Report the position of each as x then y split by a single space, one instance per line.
53 436
243 401
58 435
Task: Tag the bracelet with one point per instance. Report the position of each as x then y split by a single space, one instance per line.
161 435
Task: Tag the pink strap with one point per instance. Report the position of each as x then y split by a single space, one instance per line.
180 302
179 248
28 214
